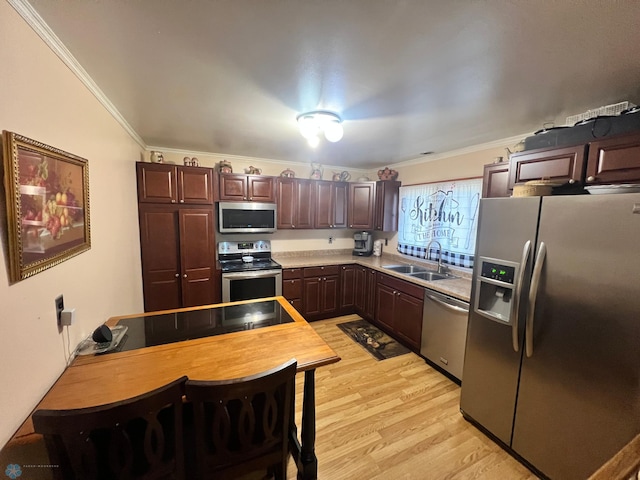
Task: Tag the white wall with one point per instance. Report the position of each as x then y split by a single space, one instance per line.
43 100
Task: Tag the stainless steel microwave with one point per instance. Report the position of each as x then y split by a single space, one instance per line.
247 217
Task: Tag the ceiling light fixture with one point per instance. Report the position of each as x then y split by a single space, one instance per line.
314 124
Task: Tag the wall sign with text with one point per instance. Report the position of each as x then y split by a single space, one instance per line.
444 213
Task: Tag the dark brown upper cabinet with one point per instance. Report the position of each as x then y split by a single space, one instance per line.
163 183
614 160
374 205
562 165
387 200
295 198
495 180
361 213
331 201
247 188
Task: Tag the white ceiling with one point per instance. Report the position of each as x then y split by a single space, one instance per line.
407 76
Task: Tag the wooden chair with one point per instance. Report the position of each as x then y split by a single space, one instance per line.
141 437
242 425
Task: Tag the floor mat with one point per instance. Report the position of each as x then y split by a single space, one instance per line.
374 340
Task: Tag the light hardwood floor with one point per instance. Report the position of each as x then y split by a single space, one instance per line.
395 419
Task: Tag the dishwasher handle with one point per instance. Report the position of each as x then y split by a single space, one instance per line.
442 301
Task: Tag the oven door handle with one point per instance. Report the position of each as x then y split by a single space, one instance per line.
253 274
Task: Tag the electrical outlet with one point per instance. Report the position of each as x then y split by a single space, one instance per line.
59 309
330 240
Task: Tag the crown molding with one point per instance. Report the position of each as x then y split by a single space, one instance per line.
503 142
35 21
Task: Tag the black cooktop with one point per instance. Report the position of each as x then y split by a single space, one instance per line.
256 264
176 327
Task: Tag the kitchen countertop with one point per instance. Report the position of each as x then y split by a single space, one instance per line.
456 287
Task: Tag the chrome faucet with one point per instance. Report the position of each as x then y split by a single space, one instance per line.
441 268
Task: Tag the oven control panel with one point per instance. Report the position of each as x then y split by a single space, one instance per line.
245 248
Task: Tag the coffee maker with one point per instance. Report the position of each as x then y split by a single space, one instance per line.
363 244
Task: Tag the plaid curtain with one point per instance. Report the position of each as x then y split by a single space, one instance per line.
446 212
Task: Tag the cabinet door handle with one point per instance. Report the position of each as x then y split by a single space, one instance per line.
173 201
177 275
181 201
324 279
293 226
591 178
572 181
184 275
350 226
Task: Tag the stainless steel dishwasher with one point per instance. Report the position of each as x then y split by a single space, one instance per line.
444 331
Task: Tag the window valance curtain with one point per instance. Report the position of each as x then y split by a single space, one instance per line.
445 212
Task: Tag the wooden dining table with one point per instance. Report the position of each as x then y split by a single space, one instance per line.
93 380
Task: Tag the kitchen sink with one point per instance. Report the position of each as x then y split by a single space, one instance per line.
408 269
417 271
432 276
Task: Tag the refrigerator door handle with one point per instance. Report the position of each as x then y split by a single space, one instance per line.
526 251
533 293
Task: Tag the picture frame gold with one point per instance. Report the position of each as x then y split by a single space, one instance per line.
47 197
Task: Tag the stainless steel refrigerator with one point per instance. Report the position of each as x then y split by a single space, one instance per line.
552 359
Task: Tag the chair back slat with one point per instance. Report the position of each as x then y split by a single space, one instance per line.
243 424
140 437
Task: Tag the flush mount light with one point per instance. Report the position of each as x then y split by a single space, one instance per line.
314 124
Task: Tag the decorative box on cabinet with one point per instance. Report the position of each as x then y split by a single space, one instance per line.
399 306
164 183
495 181
178 258
292 284
246 188
562 165
295 199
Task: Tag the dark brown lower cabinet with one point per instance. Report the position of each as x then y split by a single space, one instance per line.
365 292
321 292
399 307
292 287
347 289
178 257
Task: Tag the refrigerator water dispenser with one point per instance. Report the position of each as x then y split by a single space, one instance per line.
496 282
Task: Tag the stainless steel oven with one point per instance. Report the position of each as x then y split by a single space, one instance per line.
248 271
251 284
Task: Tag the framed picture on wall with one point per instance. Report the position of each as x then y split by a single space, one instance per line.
47 197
